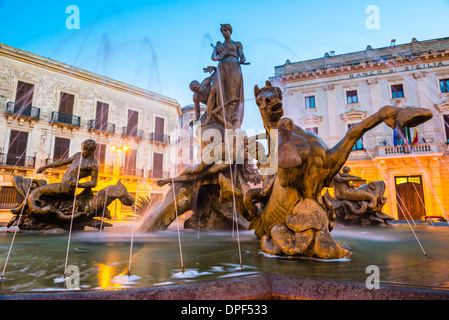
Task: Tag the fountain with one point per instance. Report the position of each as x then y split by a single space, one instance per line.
361 206
288 251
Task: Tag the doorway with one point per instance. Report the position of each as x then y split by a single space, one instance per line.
410 198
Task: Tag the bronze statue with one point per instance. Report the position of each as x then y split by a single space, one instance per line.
202 90
361 206
229 82
209 188
50 206
293 217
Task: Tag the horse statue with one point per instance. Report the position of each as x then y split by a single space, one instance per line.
289 213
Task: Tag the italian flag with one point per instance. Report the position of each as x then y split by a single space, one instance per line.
415 136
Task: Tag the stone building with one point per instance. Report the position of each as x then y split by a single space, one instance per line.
329 94
49 108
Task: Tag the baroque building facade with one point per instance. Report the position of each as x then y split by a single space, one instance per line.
50 108
327 95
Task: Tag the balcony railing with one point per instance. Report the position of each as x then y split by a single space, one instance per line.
23 110
160 138
156 174
101 126
132 132
65 118
106 169
17 160
133 172
407 149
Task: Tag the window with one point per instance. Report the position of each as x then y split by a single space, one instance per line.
351 97
158 164
446 127
133 120
314 130
62 149
9 197
131 159
101 116
24 94
444 85
397 91
359 144
159 129
17 148
100 154
66 103
310 102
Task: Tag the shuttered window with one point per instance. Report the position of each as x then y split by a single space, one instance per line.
24 93
133 120
158 164
62 148
17 148
101 117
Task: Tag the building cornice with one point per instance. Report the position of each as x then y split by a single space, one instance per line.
417 53
84 75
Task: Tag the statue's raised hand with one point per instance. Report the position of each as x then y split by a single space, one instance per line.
41 169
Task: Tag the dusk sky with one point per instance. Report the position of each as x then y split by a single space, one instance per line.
162 46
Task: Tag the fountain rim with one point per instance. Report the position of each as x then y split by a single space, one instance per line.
262 286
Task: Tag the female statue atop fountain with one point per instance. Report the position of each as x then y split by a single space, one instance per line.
229 82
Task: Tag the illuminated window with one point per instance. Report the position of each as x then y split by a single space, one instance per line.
415 179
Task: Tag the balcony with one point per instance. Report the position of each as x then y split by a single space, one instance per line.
64 118
132 172
95 125
17 160
157 174
23 110
133 133
106 169
419 148
159 138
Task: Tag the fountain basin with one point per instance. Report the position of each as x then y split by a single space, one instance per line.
212 268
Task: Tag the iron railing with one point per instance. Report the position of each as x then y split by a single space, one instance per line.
65 118
132 132
158 174
23 110
159 137
133 172
17 160
101 126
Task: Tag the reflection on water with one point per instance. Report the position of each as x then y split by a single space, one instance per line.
102 258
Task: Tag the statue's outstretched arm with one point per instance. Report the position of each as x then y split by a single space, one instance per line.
58 163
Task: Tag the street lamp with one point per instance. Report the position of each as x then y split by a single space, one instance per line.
119 150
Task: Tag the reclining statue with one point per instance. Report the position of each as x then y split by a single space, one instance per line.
361 206
54 206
